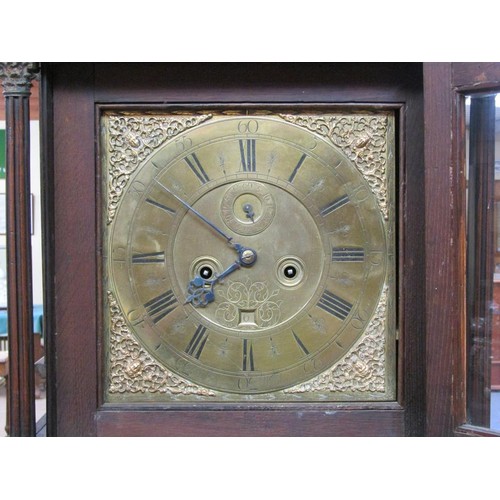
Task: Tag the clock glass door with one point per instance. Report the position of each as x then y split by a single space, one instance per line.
483 259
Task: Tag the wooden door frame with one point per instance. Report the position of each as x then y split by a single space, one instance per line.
445 87
71 94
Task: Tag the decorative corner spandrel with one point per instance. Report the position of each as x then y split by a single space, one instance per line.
131 139
362 369
132 370
362 138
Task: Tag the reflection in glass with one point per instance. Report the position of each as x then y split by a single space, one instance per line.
483 260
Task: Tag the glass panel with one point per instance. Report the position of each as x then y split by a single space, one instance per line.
483 260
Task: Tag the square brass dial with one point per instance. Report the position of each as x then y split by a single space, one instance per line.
248 256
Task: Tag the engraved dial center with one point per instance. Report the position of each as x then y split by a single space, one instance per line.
282 265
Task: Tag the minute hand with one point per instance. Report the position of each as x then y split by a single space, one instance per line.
202 217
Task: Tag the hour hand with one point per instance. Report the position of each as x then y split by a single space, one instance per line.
200 291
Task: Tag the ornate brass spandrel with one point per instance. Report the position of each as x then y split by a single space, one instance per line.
363 367
131 139
132 370
362 138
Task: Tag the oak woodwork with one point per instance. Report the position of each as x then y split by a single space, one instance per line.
70 172
444 255
476 77
19 287
445 88
234 423
72 175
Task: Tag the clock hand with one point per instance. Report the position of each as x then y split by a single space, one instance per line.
201 291
202 217
248 209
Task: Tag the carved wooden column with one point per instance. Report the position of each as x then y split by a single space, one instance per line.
16 80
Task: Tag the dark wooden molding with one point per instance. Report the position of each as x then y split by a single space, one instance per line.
445 253
473 431
70 249
476 77
411 249
455 378
16 81
47 204
253 423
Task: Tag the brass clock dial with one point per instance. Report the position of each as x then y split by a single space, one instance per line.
247 254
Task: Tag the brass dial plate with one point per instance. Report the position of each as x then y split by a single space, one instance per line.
322 234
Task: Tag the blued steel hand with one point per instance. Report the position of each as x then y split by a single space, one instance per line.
248 209
202 217
201 291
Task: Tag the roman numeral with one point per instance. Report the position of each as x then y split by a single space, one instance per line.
160 306
334 205
248 364
148 258
348 254
197 343
334 305
248 155
295 170
300 343
197 169
169 210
